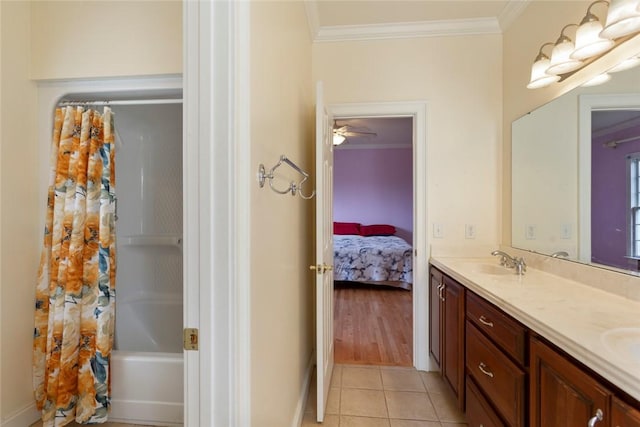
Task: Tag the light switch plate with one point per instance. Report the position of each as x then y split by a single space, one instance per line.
438 231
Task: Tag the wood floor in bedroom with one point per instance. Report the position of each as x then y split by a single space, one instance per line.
373 325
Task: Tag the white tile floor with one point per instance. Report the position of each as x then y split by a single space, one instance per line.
39 424
379 396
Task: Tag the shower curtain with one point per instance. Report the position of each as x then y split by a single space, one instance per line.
75 293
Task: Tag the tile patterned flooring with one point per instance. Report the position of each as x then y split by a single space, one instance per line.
39 424
378 396
381 396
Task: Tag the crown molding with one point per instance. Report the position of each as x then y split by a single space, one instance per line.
511 11
313 17
457 27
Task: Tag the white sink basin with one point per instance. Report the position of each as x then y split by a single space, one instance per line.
623 341
496 270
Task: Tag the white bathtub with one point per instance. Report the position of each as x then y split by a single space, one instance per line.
147 365
147 388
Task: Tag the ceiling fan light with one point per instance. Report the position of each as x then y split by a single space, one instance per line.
623 19
588 41
338 139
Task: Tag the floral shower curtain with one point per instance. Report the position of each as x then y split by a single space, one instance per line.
75 294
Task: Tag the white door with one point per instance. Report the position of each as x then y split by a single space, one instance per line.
324 251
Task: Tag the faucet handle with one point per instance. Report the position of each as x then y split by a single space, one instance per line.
521 266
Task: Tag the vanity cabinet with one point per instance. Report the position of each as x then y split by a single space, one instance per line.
446 326
495 362
505 375
562 394
623 415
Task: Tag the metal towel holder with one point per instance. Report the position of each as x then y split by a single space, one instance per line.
294 188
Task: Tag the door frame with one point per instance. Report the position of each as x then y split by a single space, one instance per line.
216 50
418 111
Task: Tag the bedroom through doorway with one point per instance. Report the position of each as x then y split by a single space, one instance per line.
373 209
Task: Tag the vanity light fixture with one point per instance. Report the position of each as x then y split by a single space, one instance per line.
597 80
623 19
588 40
338 139
622 22
627 64
561 61
539 76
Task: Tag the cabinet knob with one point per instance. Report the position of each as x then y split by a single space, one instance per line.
597 417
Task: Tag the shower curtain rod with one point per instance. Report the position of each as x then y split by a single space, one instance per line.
121 102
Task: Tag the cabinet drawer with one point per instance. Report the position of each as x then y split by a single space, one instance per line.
496 375
479 412
504 331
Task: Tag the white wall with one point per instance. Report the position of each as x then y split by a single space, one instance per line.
282 287
460 78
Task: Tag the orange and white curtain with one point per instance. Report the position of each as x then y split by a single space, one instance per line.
75 294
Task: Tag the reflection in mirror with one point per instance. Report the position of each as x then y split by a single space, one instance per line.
615 157
561 201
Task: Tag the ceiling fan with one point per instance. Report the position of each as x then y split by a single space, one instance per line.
342 133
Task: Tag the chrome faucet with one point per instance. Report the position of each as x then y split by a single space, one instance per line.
511 262
559 254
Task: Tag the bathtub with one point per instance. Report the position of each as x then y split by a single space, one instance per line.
147 363
146 388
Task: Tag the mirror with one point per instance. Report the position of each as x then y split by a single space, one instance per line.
571 182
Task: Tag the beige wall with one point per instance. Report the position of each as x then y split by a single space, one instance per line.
72 39
460 78
20 210
281 225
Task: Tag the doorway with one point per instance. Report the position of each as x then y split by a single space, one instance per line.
416 111
373 191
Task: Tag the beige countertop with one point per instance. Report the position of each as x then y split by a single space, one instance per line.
598 328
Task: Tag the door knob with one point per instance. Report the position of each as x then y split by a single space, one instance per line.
320 269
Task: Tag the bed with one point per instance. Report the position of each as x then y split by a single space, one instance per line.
378 260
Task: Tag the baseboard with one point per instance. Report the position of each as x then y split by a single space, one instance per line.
23 417
304 392
147 413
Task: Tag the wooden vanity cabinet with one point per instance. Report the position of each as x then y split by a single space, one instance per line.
435 322
562 394
623 415
495 362
446 326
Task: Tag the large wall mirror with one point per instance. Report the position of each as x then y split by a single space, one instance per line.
576 175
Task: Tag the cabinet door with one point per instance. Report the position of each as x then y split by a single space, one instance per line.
435 336
561 394
453 331
623 415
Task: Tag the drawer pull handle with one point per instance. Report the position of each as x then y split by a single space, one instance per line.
597 417
484 370
485 322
